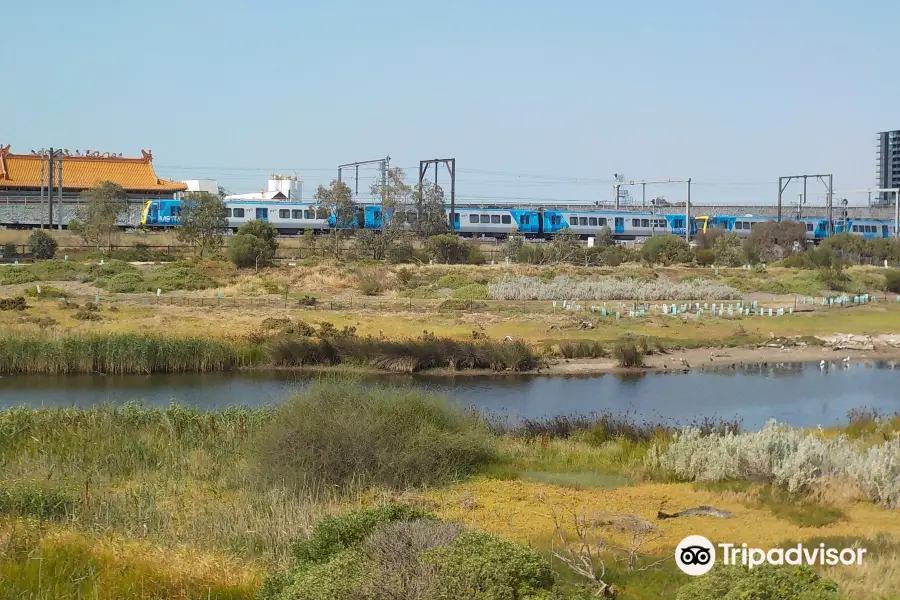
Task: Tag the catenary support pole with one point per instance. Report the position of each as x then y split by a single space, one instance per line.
687 213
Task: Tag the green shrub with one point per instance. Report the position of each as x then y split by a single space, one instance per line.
47 291
58 270
729 250
447 249
453 281
306 300
475 255
479 565
892 281
666 250
765 582
17 303
254 245
42 245
9 250
582 349
36 502
472 291
123 283
705 257
343 532
339 433
798 261
179 276
15 274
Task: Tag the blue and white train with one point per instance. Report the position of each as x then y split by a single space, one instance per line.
291 218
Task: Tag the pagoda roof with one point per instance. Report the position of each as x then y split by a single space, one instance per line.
23 171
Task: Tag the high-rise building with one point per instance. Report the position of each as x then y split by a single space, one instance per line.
888 164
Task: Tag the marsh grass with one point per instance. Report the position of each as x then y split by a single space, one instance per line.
797 508
117 354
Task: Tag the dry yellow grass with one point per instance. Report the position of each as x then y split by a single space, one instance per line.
522 511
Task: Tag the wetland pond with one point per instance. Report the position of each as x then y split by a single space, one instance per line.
798 394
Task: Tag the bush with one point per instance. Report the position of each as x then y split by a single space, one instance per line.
666 250
339 434
401 251
17 303
43 246
47 291
447 249
765 582
472 291
452 304
705 257
370 283
582 349
892 281
453 281
475 255
179 276
306 300
479 565
770 241
254 245
728 250
399 552
608 288
628 355
123 283
16 274
9 250
788 458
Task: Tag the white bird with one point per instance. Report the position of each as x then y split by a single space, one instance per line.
822 364
847 359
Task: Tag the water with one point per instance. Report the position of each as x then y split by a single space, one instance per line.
797 394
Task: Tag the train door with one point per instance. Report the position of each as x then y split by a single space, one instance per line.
262 214
620 225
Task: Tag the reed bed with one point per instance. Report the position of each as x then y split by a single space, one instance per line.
119 354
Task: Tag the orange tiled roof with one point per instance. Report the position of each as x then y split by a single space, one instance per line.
83 172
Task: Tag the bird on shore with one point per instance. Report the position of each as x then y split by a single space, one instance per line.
822 364
846 359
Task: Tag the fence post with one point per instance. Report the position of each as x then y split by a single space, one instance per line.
410 304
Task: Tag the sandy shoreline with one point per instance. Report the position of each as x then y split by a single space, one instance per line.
699 358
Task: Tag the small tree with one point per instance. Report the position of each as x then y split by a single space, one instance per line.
772 240
254 245
393 192
512 246
447 249
666 250
339 198
203 222
432 218
566 246
98 216
728 251
42 244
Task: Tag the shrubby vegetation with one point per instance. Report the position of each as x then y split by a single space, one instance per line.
565 288
789 458
765 582
42 245
396 551
254 245
343 434
666 250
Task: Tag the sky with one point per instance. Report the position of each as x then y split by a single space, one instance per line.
533 99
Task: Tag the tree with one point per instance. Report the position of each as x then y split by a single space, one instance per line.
773 240
338 197
432 218
254 245
42 244
203 221
447 249
728 251
393 193
99 214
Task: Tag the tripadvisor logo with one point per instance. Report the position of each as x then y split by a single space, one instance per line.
696 555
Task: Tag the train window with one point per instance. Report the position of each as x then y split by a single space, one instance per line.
495 219
227 212
506 220
456 217
752 225
660 223
473 218
679 223
741 225
525 219
322 213
645 222
309 214
602 221
635 222
870 228
573 219
855 228
592 221
239 213
298 214
556 220
376 215
884 230
485 218
809 226
583 221
284 213
262 213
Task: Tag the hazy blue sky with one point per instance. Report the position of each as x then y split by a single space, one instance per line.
730 94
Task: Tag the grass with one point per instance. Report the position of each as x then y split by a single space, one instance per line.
797 509
139 502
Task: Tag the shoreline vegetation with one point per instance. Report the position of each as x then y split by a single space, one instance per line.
357 490
49 353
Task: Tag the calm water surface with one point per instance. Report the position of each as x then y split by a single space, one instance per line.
797 394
